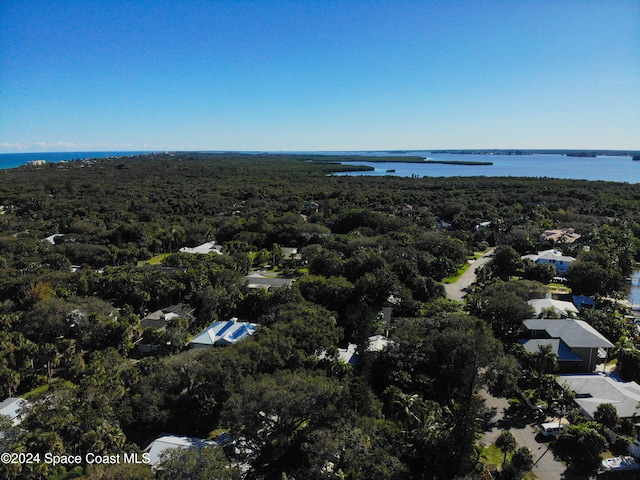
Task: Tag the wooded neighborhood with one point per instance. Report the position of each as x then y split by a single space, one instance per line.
208 302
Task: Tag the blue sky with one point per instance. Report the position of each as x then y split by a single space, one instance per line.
318 75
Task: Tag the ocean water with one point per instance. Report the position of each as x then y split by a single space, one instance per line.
608 168
13 160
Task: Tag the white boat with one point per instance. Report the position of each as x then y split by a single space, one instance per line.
620 464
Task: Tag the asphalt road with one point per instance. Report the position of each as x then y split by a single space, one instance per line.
458 290
524 427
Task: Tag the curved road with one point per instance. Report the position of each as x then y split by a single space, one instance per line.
458 290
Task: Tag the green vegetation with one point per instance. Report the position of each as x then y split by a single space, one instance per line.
69 335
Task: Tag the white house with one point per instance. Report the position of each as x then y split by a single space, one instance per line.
209 247
167 443
12 408
223 333
552 257
543 306
377 343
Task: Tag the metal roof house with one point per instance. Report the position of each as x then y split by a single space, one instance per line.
595 389
12 408
579 346
167 443
544 306
223 333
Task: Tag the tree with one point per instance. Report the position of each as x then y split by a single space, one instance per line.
606 415
545 360
522 459
506 262
507 443
207 463
580 446
276 412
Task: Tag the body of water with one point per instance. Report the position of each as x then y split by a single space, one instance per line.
13 160
610 168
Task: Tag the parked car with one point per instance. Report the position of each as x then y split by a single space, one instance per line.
620 464
551 429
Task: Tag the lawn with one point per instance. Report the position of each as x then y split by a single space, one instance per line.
158 259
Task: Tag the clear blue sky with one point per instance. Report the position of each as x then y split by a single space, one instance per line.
318 75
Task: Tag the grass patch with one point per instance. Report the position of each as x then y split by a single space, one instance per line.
454 278
158 259
492 455
45 388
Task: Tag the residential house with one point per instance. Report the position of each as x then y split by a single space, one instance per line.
483 225
166 443
209 247
565 235
592 390
159 319
12 407
348 355
579 346
223 333
550 308
552 257
256 280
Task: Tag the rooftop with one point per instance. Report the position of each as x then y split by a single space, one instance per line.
594 389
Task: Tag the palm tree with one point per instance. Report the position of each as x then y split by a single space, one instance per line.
507 443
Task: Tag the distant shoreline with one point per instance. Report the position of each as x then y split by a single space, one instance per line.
458 162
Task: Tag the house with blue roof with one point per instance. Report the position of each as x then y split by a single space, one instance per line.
583 301
220 334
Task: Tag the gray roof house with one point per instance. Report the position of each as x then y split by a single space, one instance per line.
595 389
579 346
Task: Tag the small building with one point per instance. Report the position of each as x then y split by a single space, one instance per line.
579 346
552 257
12 407
223 333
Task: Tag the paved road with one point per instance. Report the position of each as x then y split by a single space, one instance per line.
457 290
525 429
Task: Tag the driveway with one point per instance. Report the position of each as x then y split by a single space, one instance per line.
524 427
458 290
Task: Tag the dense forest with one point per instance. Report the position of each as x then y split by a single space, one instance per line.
89 248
